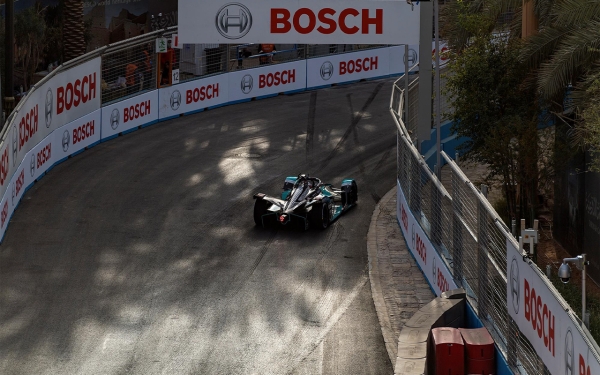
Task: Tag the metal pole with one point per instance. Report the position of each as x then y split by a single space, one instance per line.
438 90
583 290
9 42
406 86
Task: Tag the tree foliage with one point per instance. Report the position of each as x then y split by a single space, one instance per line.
30 32
495 111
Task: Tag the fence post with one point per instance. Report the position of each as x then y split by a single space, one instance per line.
457 242
436 210
482 260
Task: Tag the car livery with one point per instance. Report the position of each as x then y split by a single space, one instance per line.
305 202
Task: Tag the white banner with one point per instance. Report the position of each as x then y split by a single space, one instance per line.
299 21
550 329
193 96
64 98
272 79
348 67
77 135
397 58
40 158
129 114
6 211
432 265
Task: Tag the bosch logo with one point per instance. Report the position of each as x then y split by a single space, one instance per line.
435 270
15 144
48 107
414 241
115 117
515 286
32 165
175 100
247 83
13 194
326 70
569 353
234 20
66 141
412 56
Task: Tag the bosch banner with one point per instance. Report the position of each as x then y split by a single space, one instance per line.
430 262
552 332
131 113
298 21
348 67
64 98
193 96
77 135
272 79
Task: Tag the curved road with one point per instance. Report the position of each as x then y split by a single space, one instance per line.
141 256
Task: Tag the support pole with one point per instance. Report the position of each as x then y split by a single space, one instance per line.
438 91
9 42
424 119
406 101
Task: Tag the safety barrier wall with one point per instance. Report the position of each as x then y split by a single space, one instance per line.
65 114
459 240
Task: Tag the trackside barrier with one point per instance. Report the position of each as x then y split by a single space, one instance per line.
459 240
64 114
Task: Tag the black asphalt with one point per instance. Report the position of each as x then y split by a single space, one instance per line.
141 256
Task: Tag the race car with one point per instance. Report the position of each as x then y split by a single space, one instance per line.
305 202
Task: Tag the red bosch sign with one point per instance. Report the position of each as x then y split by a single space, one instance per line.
326 21
404 219
20 183
358 65
44 155
28 126
83 132
441 281
277 78
76 93
4 213
136 111
540 316
203 93
4 166
421 248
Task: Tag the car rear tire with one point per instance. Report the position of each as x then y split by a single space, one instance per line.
320 215
261 207
350 196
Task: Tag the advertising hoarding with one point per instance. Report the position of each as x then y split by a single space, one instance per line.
302 22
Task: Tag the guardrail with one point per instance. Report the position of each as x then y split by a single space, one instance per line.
459 240
100 96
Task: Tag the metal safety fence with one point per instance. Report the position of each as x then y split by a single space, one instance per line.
465 231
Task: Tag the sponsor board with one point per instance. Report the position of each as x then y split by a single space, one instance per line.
65 97
348 67
40 158
77 135
302 22
552 332
430 262
129 114
193 96
6 211
397 58
272 79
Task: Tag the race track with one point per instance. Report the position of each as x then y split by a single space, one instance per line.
140 256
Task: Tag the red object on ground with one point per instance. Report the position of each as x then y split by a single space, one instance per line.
479 350
448 351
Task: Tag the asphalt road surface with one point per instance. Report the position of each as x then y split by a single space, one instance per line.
140 256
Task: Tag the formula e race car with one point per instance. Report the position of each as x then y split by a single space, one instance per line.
305 202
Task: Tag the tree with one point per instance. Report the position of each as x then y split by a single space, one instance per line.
30 31
495 111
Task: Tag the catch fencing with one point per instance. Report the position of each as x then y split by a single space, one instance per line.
463 229
123 87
